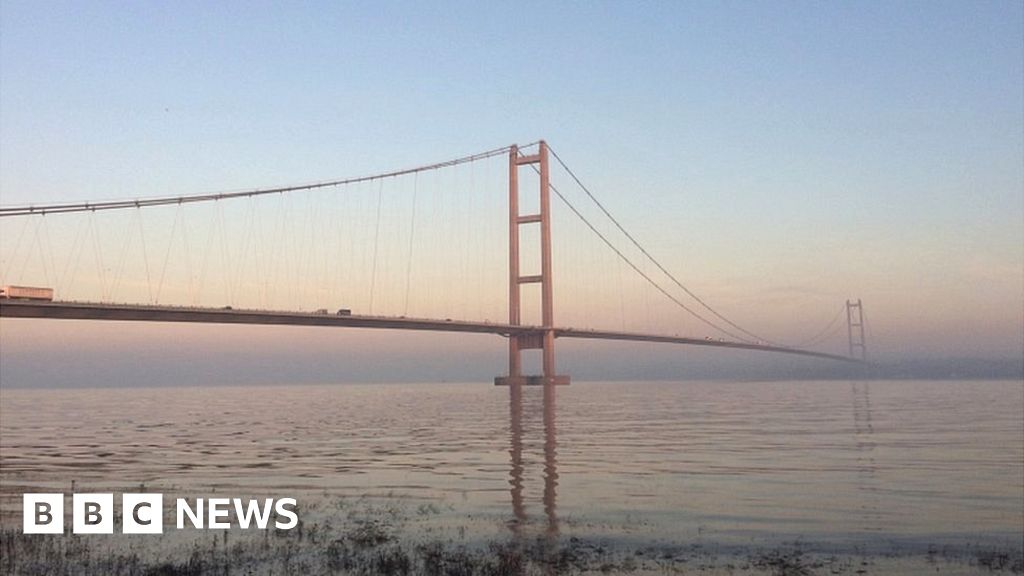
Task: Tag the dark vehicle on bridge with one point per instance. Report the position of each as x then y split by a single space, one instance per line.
344 312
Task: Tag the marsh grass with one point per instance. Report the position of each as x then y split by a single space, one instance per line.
363 538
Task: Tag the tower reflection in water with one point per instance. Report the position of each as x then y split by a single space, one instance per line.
520 518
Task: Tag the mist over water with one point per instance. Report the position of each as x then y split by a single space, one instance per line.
850 465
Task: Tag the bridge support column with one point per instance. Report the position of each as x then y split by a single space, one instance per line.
855 329
544 337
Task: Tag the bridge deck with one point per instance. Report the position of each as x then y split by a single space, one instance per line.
150 313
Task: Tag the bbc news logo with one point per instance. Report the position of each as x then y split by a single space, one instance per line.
144 513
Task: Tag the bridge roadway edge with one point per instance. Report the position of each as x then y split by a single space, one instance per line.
10 308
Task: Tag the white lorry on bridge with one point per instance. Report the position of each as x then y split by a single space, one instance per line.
26 293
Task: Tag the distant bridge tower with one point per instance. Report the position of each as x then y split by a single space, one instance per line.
855 329
544 338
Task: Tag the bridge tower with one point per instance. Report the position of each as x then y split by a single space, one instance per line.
544 337
855 329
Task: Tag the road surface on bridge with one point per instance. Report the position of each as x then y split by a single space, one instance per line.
12 308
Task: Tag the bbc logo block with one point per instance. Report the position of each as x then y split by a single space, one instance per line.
92 513
43 514
142 513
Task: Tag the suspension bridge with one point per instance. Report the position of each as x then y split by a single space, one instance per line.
422 249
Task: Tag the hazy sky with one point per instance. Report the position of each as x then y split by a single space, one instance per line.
779 157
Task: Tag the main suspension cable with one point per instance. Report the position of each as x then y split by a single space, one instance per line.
637 269
162 201
824 334
652 258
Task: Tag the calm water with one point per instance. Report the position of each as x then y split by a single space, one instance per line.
854 465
